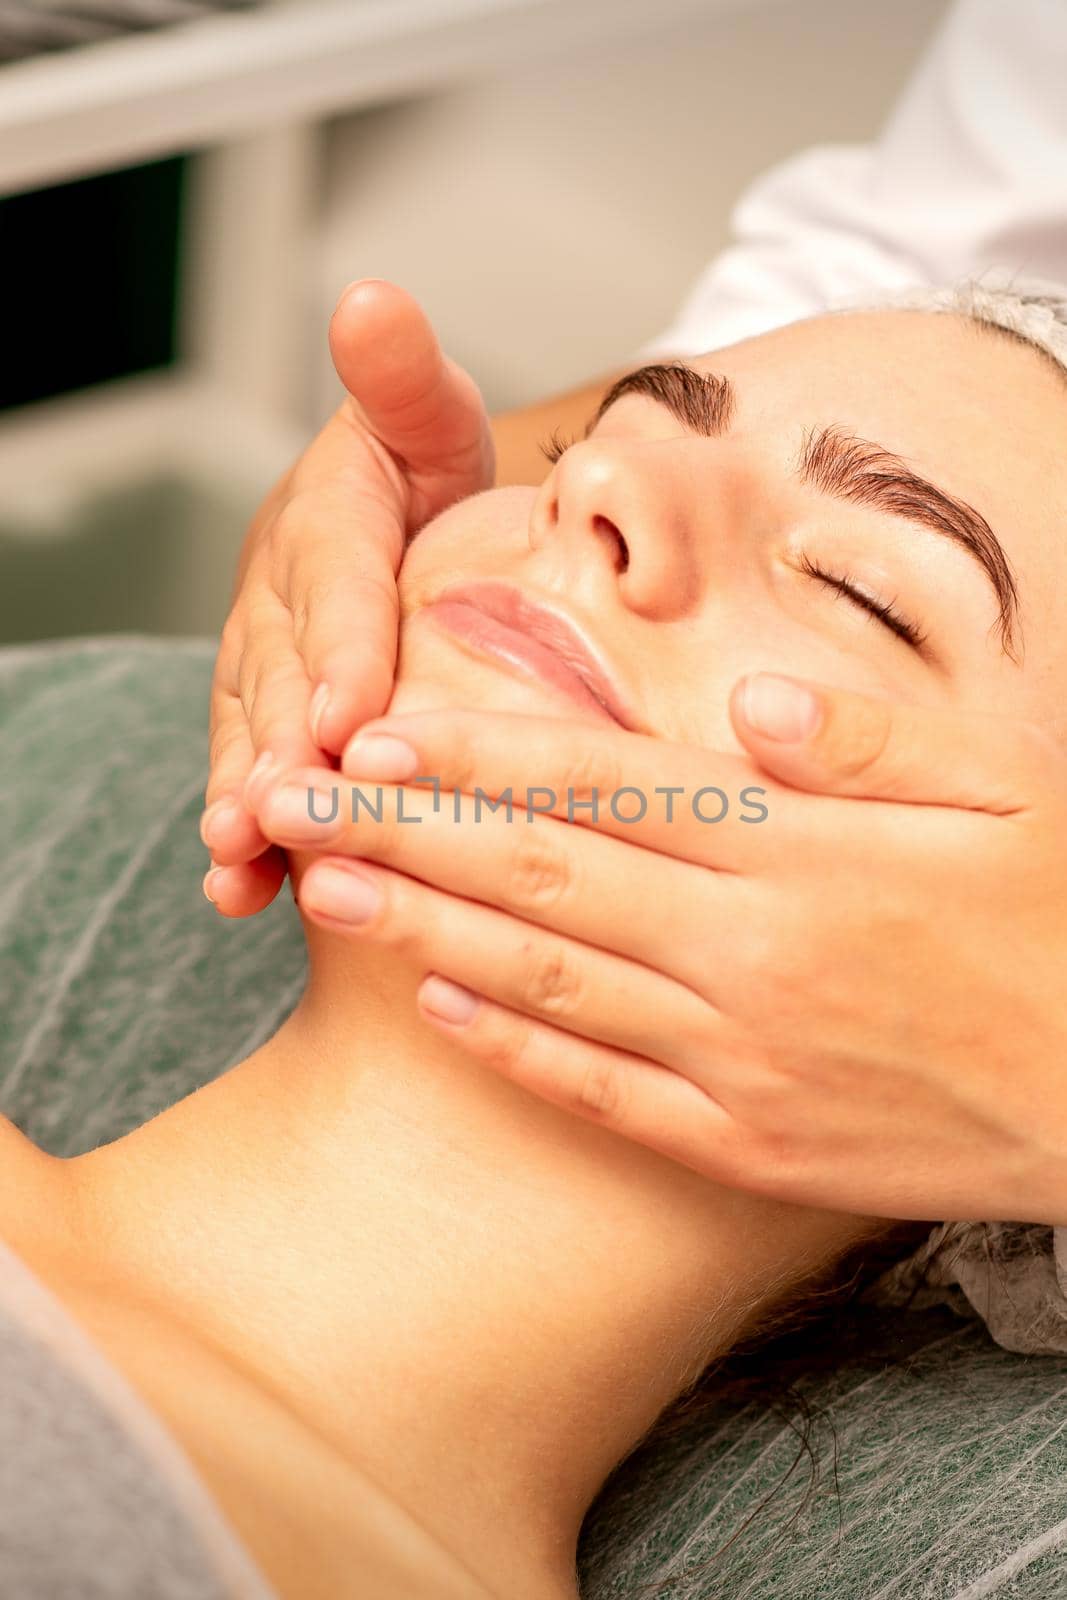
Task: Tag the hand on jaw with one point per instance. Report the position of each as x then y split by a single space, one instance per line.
778 1006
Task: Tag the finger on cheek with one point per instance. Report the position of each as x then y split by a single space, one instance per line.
776 707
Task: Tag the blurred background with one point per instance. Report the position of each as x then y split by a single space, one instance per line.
181 204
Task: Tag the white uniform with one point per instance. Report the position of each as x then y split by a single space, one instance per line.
970 173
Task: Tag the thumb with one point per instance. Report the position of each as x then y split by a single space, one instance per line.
836 742
427 411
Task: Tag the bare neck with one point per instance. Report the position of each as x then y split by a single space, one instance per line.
481 1302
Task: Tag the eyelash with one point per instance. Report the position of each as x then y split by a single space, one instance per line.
888 613
554 446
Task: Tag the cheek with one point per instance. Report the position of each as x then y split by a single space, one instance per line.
484 535
695 695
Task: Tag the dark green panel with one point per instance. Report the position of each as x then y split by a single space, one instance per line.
88 280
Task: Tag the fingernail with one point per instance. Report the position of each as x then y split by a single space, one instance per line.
357 283
779 708
304 813
379 755
210 880
340 893
256 780
447 1000
320 702
214 818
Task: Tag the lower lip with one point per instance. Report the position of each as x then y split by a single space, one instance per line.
490 637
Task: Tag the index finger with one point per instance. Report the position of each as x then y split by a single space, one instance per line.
707 806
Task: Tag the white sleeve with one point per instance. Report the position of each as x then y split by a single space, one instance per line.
969 173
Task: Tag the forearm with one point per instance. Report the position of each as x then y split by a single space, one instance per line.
518 434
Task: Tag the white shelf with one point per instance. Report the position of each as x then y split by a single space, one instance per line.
56 454
111 104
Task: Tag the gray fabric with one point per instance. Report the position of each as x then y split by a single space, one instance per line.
938 1471
1014 1274
122 990
95 1502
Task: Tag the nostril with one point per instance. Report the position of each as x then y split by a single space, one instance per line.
605 526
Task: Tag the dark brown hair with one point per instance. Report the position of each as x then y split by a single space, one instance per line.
806 1334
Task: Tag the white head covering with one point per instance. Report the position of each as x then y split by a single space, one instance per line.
1035 309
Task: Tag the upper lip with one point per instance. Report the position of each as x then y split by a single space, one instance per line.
558 633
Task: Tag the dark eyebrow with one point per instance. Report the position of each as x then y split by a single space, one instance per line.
849 468
840 464
700 401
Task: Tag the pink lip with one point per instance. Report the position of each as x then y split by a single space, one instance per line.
500 621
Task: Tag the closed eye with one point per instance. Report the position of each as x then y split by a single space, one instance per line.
886 611
555 446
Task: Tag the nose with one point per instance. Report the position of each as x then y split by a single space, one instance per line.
633 506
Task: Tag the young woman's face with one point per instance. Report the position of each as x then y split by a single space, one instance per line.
717 530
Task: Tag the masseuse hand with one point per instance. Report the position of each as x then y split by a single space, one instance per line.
294 675
857 1003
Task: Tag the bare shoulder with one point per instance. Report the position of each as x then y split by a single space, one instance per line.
306 1516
